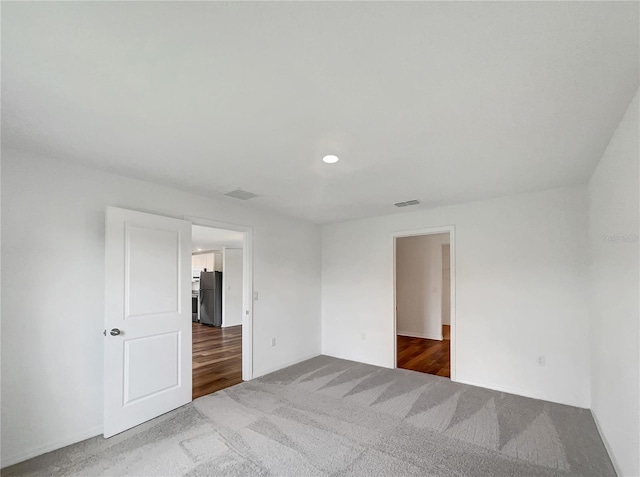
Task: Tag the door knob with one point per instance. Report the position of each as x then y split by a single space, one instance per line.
114 332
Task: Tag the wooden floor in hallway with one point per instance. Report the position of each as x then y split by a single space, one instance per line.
426 356
217 358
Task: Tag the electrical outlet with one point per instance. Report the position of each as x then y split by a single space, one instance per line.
273 341
364 336
541 361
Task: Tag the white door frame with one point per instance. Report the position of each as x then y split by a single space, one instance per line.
247 288
450 229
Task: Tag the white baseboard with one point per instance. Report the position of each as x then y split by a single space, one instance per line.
606 444
286 365
35 452
418 335
517 392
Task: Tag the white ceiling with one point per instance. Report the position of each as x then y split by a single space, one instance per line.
444 102
206 238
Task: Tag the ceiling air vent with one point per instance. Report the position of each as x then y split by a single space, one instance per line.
409 202
241 194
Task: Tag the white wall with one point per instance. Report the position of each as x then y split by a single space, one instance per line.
419 285
613 231
53 290
521 291
446 284
232 283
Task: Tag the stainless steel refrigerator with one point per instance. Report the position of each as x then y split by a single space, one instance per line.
211 298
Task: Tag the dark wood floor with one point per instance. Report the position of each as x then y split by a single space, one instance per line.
426 356
217 358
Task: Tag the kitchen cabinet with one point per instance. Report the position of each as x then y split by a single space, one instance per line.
196 262
201 261
209 262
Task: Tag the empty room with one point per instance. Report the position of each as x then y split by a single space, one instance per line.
320 238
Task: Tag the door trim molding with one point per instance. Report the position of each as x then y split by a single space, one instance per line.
451 230
247 287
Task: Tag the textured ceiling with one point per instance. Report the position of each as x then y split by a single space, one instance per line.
442 102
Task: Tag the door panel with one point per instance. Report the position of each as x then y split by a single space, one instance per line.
140 381
148 302
152 271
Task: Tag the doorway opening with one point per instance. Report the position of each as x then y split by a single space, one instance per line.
424 291
217 292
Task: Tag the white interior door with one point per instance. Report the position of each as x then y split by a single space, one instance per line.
147 317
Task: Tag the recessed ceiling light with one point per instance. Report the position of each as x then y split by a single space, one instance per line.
330 159
199 249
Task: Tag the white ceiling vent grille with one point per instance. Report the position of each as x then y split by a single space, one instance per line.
409 202
241 194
